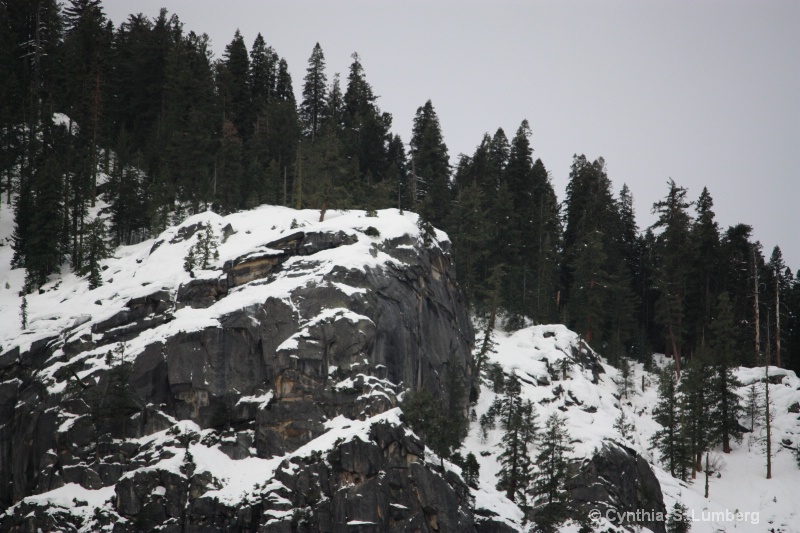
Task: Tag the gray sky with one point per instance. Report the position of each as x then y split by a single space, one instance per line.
705 92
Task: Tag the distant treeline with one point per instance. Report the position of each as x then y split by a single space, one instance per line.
159 129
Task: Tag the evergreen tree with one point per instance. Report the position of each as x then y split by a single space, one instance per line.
777 287
202 252
702 285
551 500
263 73
334 106
314 104
234 86
427 416
670 439
430 165
97 249
365 128
589 294
470 238
23 311
622 425
471 470
518 421
674 256
696 409
726 408
736 252
625 379
487 344
678 520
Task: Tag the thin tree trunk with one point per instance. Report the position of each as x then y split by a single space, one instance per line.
755 306
777 318
769 424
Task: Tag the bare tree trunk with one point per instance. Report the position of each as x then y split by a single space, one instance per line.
769 424
755 306
777 318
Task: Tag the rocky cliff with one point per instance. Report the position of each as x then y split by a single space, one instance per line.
245 373
188 401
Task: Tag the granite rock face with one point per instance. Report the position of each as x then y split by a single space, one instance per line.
258 382
618 479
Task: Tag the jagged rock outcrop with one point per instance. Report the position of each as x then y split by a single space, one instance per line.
617 478
260 355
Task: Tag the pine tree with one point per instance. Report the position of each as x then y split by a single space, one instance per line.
702 286
696 408
753 405
431 164
97 249
23 311
313 106
234 84
622 425
470 239
674 252
201 253
263 73
670 439
487 344
518 421
678 520
625 378
589 293
551 500
365 129
426 416
471 470
726 408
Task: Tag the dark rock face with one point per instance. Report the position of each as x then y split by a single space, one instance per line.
267 375
618 478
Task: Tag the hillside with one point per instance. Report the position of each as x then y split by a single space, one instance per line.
264 393
591 409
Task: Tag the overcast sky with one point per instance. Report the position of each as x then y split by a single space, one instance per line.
704 92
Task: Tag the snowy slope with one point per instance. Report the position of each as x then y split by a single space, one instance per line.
66 303
67 308
741 486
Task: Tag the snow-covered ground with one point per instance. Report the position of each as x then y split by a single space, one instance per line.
741 487
67 304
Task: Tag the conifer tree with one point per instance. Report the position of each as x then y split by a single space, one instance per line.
487 344
726 408
313 106
625 379
431 164
674 252
670 439
234 84
518 421
97 249
678 520
470 238
23 311
622 424
471 470
702 287
551 501
696 408
263 73
426 416
588 297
